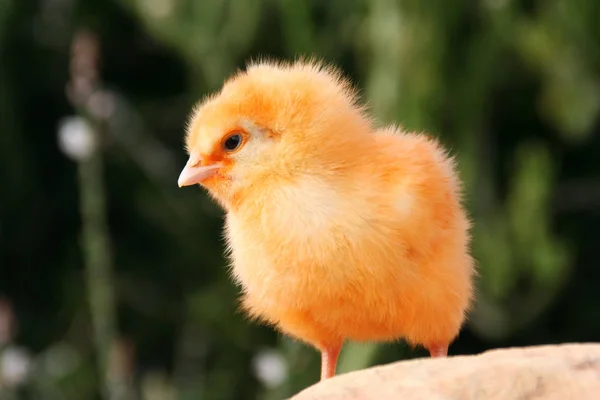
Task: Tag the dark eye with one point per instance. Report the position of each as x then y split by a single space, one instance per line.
232 142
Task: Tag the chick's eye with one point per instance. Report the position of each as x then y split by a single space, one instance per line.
233 142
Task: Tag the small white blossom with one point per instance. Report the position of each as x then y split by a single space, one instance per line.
15 364
270 367
76 138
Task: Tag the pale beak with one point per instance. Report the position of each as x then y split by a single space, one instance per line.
191 175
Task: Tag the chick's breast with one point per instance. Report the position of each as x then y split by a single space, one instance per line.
377 255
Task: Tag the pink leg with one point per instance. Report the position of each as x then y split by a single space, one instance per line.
329 358
438 350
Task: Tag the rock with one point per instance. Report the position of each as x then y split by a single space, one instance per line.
561 372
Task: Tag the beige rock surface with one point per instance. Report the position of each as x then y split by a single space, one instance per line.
561 372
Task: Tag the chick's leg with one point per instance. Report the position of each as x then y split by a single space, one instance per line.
438 350
329 358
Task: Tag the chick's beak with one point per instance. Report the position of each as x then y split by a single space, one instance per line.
193 174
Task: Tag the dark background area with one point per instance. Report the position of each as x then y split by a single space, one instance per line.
511 87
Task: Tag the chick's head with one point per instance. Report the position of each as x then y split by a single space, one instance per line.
273 121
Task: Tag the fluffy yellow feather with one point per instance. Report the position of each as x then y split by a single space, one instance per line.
336 230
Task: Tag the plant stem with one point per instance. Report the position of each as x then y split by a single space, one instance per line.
98 264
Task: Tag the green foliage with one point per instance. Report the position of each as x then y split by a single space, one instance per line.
518 246
510 86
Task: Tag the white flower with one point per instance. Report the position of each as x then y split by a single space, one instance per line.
15 364
270 367
76 138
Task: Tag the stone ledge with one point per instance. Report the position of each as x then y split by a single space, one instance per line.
554 372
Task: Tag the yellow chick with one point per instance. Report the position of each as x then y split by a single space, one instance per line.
336 230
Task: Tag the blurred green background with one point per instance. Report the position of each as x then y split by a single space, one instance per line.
112 280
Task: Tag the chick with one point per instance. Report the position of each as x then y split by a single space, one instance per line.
336 230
